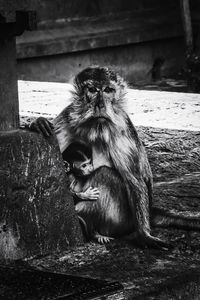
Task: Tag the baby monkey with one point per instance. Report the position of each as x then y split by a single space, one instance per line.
79 166
79 171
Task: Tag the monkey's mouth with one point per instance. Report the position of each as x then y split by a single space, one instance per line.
94 121
100 119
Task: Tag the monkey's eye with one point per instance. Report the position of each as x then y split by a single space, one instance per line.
92 89
109 90
84 166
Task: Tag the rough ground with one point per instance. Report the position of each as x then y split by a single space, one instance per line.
145 274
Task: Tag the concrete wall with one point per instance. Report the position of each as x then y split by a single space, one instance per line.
134 62
129 36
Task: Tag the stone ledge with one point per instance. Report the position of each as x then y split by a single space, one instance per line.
54 37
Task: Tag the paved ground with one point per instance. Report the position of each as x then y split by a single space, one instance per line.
147 108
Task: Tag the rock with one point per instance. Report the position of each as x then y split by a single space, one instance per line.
37 215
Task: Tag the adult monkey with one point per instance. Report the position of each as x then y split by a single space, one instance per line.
122 173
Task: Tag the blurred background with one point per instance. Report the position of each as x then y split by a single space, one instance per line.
142 39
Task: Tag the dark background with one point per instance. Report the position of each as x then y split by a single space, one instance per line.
129 36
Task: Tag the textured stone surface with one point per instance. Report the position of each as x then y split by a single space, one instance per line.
36 209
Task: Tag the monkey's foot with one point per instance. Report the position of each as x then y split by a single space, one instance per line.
149 241
156 243
101 239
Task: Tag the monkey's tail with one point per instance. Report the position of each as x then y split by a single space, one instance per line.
176 219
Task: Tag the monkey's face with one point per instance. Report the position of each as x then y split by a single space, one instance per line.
98 105
99 98
83 168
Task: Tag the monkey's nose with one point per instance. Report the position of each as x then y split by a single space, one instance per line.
100 104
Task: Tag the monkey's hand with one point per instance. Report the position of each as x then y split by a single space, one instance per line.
90 194
43 126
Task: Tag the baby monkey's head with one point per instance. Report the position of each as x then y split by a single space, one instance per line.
82 168
78 159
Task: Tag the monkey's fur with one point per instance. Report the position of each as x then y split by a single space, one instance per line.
97 117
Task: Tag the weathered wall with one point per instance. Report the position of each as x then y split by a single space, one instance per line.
134 62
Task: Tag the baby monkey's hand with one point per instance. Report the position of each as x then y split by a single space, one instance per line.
91 193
